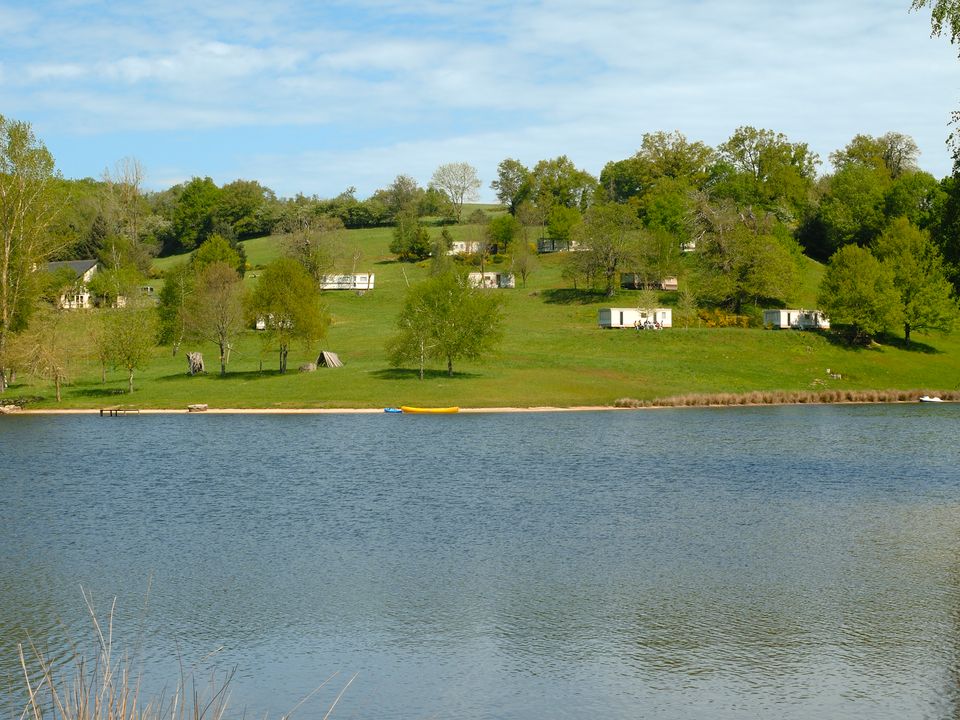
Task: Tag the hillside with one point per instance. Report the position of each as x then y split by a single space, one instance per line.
553 354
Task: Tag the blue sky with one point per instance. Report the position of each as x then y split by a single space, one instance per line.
314 97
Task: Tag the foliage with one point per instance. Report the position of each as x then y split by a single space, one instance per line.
523 260
512 185
926 296
662 157
411 240
318 245
559 183
128 338
561 220
459 182
26 209
607 243
215 312
743 258
287 302
445 318
502 230
52 346
859 293
174 297
215 249
893 153
193 212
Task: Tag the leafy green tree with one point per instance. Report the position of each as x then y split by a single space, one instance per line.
558 182
402 195
561 220
287 301
246 207
193 212
26 209
129 337
175 295
851 210
523 260
448 319
607 243
502 231
411 240
115 287
858 292
512 185
743 258
52 346
662 156
926 296
765 170
459 182
215 312
892 153
318 245
215 249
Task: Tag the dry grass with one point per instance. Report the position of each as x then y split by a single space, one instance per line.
797 397
105 688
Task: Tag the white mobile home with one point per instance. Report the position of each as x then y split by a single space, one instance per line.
489 280
789 319
349 281
653 318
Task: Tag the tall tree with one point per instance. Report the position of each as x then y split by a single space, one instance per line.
560 182
926 296
129 337
193 212
512 185
893 153
175 296
607 240
446 318
52 346
287 301
459 182
26 171
318 245
215 312
859 293
411 240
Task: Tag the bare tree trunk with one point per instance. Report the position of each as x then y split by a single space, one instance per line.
223 359
130 381
449 366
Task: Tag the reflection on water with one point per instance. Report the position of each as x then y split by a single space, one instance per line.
787 562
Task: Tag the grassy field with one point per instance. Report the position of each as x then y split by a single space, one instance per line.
553 354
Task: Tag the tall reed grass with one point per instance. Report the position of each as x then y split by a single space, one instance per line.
785 397
108 688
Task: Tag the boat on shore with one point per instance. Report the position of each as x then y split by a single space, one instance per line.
429 410
928 398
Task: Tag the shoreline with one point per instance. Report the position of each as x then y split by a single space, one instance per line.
462 411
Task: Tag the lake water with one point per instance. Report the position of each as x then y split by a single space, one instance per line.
786 562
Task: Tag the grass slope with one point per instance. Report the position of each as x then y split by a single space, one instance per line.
553 353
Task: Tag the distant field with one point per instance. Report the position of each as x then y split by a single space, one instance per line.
553 354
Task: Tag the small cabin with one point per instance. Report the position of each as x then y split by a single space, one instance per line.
348 281
634 281
489 280
651 318
789 319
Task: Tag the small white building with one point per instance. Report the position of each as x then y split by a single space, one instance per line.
349 281
652 318
788 319
464 247
488 280
77 297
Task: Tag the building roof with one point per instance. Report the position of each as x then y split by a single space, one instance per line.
78 266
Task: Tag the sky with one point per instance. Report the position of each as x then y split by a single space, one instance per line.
315 97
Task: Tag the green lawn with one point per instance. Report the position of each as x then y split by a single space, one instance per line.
553 353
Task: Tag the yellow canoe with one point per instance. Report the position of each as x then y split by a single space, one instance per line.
429 410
